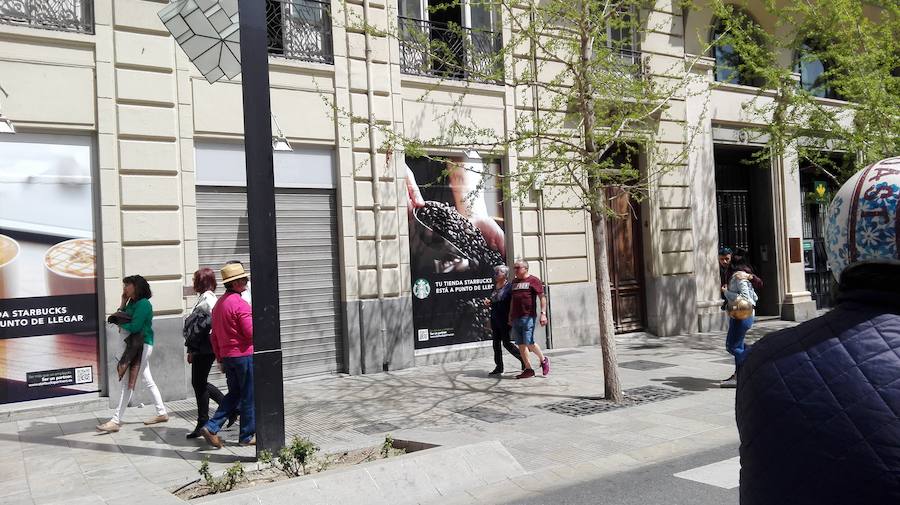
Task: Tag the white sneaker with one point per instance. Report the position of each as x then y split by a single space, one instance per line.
108 427
157 419
730 382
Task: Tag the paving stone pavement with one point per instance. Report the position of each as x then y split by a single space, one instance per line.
62 460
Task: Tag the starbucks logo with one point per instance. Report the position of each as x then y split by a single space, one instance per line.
421 289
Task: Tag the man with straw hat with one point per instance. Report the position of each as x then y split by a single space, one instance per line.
232 343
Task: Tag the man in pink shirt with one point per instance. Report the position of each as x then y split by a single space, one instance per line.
232 343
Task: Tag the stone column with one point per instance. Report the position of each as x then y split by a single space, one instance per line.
702 167
797 303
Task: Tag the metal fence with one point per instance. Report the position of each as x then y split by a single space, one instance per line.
64 15
733 209
453 52
630 62
300 30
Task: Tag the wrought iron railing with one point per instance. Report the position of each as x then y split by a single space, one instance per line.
300 30
629 62
64 15
449 51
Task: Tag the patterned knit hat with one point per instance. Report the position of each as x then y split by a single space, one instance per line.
864 219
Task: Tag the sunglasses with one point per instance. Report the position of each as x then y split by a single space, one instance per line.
518 268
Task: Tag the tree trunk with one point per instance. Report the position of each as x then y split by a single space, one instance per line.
585 94
612 388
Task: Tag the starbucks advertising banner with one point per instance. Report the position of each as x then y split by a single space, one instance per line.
48 287
456 239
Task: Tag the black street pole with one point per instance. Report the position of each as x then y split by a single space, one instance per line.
267 374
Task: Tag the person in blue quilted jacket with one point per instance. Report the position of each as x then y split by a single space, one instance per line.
818 405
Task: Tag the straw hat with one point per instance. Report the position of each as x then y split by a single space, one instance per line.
233 272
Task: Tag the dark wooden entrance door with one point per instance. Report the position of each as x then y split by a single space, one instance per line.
626 263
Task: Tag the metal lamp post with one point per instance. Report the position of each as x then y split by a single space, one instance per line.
224 38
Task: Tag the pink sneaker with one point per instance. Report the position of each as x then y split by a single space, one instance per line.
527 373
545 366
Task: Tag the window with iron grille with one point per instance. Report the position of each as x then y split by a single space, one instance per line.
451 39
620 44
63 15
300 30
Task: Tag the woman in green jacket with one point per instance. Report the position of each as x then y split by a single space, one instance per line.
136 303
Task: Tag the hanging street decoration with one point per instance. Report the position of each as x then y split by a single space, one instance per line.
208 32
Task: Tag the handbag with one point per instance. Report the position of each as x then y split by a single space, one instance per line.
740 309
196 331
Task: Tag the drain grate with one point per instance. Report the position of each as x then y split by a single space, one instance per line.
375 429
578 407
644 365
488 415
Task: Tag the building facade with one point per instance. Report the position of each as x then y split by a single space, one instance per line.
148 162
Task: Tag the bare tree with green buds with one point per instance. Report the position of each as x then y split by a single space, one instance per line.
589 106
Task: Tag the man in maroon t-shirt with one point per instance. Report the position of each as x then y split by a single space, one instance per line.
522 314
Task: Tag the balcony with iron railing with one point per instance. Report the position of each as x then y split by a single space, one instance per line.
62 15
449 51
628 62
300 30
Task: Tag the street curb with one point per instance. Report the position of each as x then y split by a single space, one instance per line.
411 478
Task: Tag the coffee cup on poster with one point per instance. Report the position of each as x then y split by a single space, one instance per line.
71 267
9 251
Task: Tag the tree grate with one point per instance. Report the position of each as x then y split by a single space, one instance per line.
644 365
377 428
578 407
488 415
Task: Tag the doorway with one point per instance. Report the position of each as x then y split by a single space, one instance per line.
445 20
816 190
746 216
308 269
626 262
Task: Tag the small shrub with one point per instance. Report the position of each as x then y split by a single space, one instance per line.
387 446
388 450
232 475
265 459
323 464
204 470
296 457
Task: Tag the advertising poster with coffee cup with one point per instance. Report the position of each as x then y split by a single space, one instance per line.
48 286
456 238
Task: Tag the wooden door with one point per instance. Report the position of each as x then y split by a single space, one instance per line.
626 263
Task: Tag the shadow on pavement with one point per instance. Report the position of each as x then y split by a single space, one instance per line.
54 434
689 383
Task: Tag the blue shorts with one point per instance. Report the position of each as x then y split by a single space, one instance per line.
523 330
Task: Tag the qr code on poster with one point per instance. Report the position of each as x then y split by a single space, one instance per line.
84 375
423 335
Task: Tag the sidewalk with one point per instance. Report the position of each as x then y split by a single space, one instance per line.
63 460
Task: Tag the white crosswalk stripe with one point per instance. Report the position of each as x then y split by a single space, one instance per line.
724 474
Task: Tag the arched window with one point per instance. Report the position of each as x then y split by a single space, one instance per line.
812 72
729 62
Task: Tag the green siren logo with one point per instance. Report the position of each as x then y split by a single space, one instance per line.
421 289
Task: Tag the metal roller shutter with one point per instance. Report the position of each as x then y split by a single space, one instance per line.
308 268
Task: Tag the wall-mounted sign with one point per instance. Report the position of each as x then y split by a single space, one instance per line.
456 240
48 285
820 191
